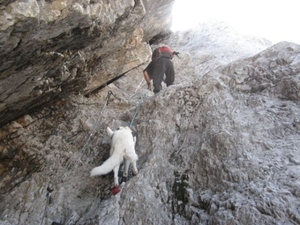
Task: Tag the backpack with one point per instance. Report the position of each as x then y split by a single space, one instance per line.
164 51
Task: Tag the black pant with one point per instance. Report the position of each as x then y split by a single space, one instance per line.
156 70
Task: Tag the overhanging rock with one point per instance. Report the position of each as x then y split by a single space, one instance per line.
49 49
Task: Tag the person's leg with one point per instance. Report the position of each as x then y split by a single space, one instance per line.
158 74
170 73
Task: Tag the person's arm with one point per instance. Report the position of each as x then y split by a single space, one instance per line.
147 78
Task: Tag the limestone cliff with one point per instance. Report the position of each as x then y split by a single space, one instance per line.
220 146
49 49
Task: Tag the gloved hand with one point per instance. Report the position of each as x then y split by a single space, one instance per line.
176 53
149 86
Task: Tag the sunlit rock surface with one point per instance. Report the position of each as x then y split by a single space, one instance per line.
220 146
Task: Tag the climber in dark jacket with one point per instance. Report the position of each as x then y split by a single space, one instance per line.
160 65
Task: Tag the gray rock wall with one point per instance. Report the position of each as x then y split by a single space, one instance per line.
49 49
220 146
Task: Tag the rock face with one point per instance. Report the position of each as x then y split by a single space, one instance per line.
220 146
51 48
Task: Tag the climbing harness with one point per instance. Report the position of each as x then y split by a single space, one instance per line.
50 187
